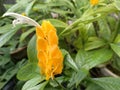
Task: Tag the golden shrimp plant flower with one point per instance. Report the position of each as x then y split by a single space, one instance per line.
49 55
50 59
94 2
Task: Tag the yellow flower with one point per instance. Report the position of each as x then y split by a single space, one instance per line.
94 2
23 14
50 59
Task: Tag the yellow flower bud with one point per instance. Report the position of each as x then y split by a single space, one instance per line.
94 2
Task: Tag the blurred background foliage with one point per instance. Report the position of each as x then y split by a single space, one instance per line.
88 37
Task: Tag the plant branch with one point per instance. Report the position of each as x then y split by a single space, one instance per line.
105 71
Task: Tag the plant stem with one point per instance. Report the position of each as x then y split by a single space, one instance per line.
96 27
107 72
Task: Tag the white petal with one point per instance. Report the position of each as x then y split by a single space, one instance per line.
20 19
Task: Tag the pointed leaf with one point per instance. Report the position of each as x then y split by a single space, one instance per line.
69 61
117 4
97 57
81 58
116 48
6 28
41 86
32 82
77 77
58 23
28 71
94 43
7 36
25 34
108 83
31 50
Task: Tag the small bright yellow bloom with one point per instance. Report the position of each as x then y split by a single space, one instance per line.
50 59
94 2
23 14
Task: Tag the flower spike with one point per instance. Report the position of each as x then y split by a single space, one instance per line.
20 19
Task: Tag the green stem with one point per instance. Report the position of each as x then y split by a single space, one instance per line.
96 28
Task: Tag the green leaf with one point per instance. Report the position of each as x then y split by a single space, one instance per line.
117 39
19 5
29 7
57 23
41 86
69 61
93 43
97 57
108 83
39 6
31 50
61 12
9 73
7 36
28 71
93 86
32 82
6 28
81 58
77 77
90 59
105 31
117 4
116 48
25 34
116 62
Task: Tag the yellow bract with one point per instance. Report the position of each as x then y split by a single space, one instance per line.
50 59
94 2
